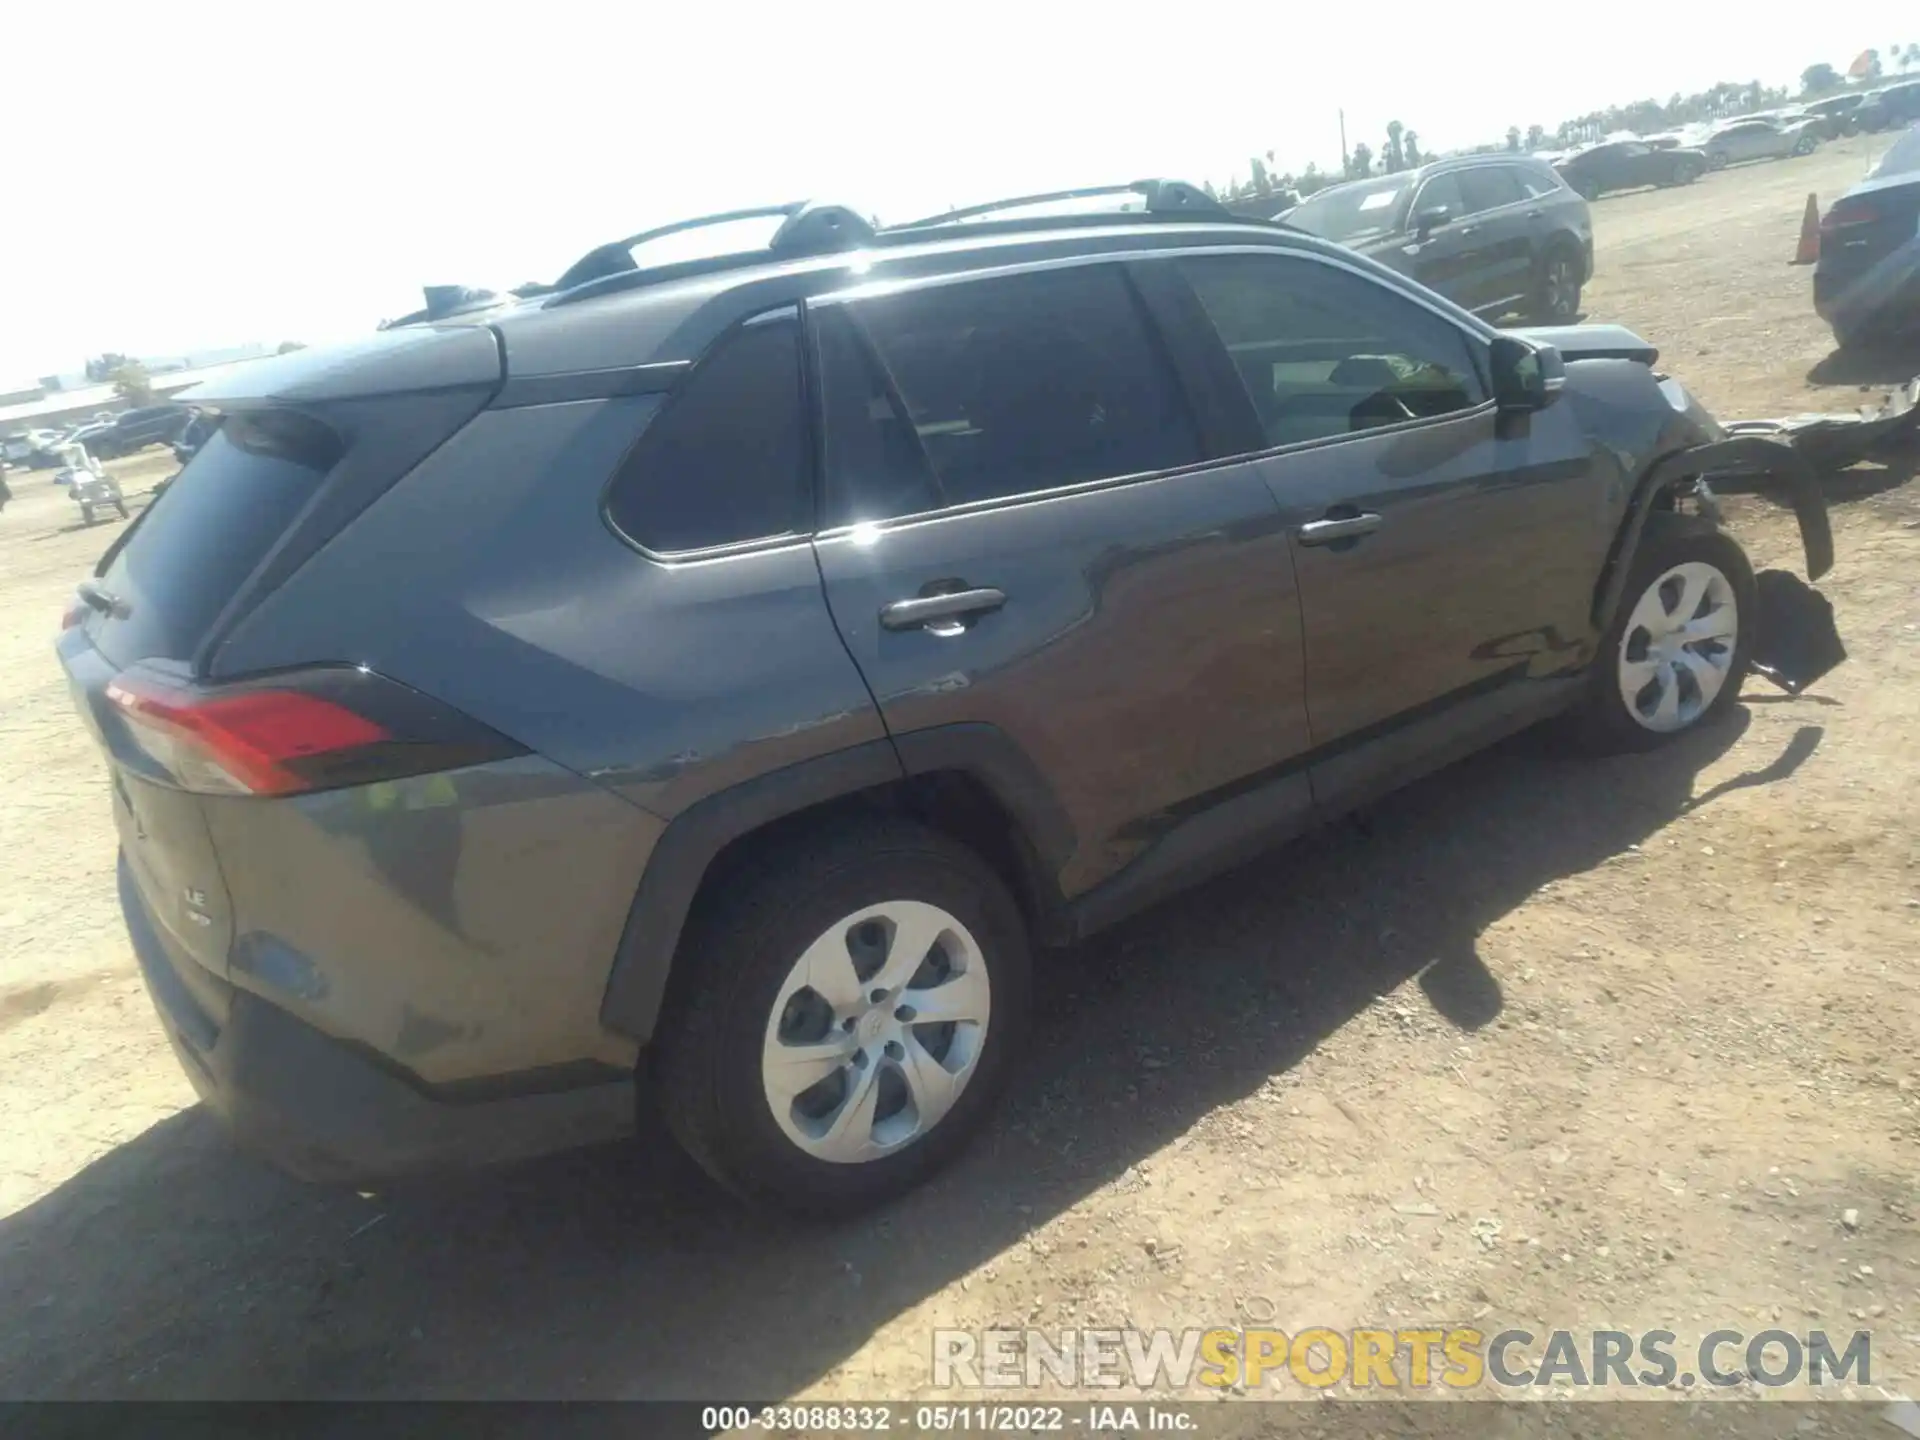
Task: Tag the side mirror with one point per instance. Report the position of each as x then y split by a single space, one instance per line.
1430 220
1526 377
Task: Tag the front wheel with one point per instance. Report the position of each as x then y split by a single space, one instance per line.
1675 656
859 997
86 514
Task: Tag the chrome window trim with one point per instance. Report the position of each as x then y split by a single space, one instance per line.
1472 330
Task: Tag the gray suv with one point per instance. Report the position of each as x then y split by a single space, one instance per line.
711 681
1499 234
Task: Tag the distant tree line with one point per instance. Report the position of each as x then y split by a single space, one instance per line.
1402 150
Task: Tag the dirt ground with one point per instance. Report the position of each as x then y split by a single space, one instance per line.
1541 1043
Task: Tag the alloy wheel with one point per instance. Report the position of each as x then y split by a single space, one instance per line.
875 1032
1678 646
1562 289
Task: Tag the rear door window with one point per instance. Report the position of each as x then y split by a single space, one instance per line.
194 546
728 460
988 389
1488 187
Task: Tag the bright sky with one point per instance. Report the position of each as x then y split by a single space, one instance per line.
204 175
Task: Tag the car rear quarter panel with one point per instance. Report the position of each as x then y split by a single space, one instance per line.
488 579
460 925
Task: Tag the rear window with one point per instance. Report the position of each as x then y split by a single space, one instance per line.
189 552
1352 213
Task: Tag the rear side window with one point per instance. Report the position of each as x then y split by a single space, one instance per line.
193 547
988 389
727 460
1488 187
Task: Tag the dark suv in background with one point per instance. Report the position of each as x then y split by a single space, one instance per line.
1498 234
711 678
133 430
1630 165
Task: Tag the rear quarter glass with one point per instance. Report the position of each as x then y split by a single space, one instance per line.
198 542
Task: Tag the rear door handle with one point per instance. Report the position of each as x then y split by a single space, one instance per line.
942 614
1345 527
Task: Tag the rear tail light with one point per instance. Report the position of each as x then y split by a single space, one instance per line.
1848 213
298 733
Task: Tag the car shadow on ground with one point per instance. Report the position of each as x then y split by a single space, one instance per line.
171 1267
1892 363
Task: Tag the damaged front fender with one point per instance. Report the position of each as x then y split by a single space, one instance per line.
1796 640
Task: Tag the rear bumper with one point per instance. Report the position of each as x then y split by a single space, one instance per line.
1868 294
326 1111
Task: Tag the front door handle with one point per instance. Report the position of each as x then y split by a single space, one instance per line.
1344 527
942 614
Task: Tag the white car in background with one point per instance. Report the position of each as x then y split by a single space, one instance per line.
1757 137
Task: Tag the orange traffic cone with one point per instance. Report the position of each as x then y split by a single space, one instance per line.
1808 251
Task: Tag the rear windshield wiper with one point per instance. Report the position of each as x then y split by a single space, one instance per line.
102 599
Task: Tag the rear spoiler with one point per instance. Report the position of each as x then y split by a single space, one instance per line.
388 362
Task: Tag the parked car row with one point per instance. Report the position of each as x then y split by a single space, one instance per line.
1893 108
1681 157
105 437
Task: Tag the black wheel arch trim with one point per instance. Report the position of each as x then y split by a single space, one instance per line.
687 848
1743 464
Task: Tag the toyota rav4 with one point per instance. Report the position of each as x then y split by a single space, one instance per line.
725 674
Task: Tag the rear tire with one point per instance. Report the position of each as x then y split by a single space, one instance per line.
812 911
1556 287
86 514
1650 682
121 506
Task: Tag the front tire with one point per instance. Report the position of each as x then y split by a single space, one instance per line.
86 514
859 999
1677 652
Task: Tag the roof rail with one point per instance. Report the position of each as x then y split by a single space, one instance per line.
1162 196
810 228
